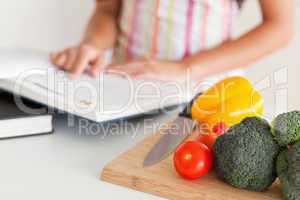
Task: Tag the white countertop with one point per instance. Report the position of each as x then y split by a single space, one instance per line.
67 165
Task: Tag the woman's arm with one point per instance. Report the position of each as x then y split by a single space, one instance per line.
102 27
100 34
275 31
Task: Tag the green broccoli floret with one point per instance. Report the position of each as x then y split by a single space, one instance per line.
245 156
286 128
282 163
288 170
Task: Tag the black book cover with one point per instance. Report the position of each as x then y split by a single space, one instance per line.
9 111
9 108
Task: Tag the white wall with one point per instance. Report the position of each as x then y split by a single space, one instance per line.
54 24
43 24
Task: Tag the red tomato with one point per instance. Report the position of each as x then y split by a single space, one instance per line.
208 139
220 128
193 160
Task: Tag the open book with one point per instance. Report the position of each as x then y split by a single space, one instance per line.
108 97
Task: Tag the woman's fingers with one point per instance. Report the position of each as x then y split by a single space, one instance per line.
56 58
71 56
81 62
77 59
96 67
60 59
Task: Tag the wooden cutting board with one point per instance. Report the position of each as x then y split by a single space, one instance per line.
162 180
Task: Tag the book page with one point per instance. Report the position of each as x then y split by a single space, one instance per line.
106 96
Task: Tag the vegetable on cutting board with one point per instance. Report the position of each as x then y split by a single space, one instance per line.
193 160
127 170
286 128
235 109
208 137
221 106
229 101
252 154
224 105
206 103
219 128
288 171
245 155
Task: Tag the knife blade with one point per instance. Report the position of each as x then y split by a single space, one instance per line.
179 129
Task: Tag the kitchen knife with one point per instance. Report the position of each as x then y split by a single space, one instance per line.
177 131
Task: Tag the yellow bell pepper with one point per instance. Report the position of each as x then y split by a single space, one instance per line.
219 93
235 109
229 101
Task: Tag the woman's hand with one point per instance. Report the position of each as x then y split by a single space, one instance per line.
148 69
77 59
101 34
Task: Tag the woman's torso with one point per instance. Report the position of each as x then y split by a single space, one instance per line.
173 29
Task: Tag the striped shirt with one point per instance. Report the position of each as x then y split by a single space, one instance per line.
173 29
